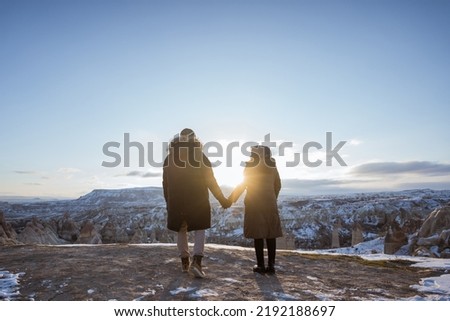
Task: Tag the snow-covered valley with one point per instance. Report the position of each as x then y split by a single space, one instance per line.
138 215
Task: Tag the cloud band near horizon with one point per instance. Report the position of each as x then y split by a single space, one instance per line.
392 168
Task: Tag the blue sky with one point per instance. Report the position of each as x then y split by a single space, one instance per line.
75 75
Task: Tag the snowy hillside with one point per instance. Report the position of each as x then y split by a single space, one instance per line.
138 215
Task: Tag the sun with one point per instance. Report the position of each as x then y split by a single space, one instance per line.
228 176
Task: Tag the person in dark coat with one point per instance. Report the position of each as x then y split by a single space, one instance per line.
187 179
261 219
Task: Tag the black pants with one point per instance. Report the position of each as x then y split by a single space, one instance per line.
259 250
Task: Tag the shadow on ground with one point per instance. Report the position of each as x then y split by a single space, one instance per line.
152 272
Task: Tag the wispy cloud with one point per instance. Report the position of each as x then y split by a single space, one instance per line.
141 174
132 173
68 170
377 176
315 182
355 142
151 174
322 186
25 172
392 168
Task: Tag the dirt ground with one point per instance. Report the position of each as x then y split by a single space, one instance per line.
139 272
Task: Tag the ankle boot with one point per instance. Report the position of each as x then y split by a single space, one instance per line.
196 267
271 268
259 269
185 264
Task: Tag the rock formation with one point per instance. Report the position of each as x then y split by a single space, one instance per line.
130 215
89 234
7 235
108 233
395 238
433 238
139 236
357 234
335 242
36 232
68 229
436 222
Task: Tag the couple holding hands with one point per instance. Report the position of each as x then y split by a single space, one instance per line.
187 180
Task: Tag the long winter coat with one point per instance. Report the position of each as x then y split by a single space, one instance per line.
187 180
262 182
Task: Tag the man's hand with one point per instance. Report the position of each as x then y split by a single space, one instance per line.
226 203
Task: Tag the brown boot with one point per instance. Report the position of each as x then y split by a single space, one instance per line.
196 267
185 264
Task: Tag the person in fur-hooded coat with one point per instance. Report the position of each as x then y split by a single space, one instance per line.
187 179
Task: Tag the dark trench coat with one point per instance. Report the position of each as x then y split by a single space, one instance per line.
261 219
187 180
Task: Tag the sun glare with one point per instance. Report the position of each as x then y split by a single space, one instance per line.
228 176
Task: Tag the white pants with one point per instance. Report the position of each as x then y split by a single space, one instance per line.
182 241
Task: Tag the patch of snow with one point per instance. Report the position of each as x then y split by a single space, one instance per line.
155 244
307 232
323 296
181 290
370 247
9 284
213 258
203 293
435 288
229 247
145 294
113 244
431 263
436 285
281 296
150 292
237 232
230 280
404 250
435 250
90 291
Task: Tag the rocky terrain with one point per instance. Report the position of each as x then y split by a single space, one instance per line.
153 272
114 245
138 215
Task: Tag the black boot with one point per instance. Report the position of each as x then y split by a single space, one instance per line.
259 251
271 250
